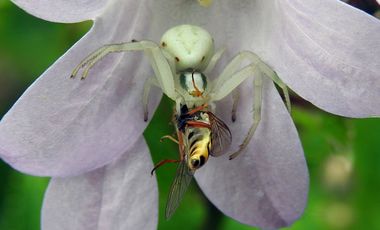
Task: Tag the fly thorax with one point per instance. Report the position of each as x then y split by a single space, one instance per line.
194 83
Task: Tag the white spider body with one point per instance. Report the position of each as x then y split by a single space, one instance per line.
181 63
190 46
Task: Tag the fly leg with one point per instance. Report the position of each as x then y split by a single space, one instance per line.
198 124
197 109
170 138
181 151
162 163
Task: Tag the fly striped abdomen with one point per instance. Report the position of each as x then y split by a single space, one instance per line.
199 141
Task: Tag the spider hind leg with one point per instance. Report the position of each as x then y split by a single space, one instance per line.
258 86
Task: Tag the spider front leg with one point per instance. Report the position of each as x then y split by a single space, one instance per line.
235 65
95 56
147 87
87 61
161 66
214 59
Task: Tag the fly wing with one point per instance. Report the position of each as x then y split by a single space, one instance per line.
220 136
178 188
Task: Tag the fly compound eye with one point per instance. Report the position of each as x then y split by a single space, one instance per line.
195 163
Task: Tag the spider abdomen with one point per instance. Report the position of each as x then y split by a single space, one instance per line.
190 46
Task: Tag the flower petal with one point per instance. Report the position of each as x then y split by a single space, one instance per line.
122 195
267 184
328 52
62 126
63 10
231 23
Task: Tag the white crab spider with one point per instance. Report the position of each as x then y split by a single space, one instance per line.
181 62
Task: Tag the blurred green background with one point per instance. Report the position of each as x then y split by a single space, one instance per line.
343 154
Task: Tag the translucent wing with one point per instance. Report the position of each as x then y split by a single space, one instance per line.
220 135
180 184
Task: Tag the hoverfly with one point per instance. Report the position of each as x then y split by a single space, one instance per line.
200 134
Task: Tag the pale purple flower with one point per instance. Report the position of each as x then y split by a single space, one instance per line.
87 135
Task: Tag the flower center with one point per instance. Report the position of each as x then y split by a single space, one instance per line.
205 3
